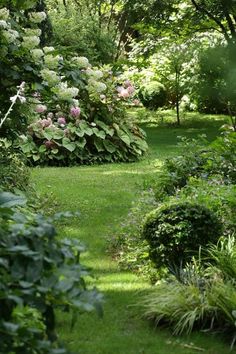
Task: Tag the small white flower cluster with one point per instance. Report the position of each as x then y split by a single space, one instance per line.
4 14
10 35
4 24
80 62
94 74
32 32
37 54
48 49
37 17
30 42
96 87
66 93
52 61
50 77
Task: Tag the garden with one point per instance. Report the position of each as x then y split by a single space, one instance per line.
117 177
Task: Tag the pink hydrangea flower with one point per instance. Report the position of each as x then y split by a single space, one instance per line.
136 102
46 122
124 93
61 121
127 83
119 88
49 144
130 89
40 108
75 111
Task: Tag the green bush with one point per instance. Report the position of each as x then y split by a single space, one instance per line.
39 273
175 231
199 159
153 95
216 196
13 173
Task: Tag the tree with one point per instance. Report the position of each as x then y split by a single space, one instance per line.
219 15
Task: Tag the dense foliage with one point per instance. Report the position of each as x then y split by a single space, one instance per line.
39 273
200 297
153 95
176 231
13 173
77 112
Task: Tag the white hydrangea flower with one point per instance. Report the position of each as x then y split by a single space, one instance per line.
37 54
3 24
75 102
94 74
66 93
48 49
96 86
51 61
4 14
10 35
50 77
37 17
81 62
98 74
30 42
32 32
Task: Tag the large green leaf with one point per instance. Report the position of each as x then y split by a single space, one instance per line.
42 148
84 127
141 144
109 146
105 127
124 137
99 144
58 134
69 145
81 142
48 133
99 133
8 200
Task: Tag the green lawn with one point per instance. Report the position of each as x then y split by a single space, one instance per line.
103 195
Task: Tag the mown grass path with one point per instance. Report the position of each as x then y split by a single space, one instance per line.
103 195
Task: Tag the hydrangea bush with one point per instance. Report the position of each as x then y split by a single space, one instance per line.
75 112
79 116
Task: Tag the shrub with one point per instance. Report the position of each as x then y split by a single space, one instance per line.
216 196
68 141
13 173
153 95
94 129
175 231
39 273
199 159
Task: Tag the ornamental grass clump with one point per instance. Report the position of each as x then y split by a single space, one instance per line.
201 296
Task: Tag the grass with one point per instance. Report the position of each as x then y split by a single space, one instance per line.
104 194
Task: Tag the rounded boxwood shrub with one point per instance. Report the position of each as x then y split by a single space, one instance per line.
153 95
175 232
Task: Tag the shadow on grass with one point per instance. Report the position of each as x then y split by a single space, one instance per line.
131 334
